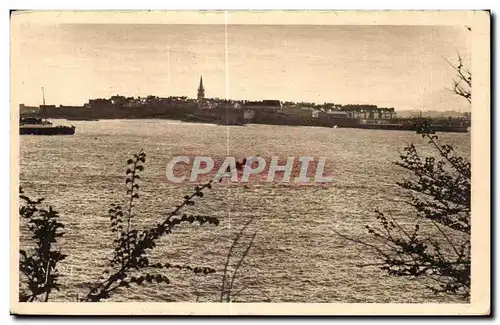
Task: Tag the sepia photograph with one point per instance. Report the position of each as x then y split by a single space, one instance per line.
250 162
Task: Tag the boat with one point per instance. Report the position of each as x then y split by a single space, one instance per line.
420 126
39 126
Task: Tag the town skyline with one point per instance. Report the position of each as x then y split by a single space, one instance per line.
75 63
193 98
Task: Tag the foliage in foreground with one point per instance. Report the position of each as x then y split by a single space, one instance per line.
441 198
131 263
39 264
440 191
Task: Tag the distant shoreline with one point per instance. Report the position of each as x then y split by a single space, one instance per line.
382 127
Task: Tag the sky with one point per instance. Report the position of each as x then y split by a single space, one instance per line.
390 66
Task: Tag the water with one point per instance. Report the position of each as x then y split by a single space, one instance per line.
296 256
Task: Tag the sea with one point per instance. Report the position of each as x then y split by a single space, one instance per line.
296 255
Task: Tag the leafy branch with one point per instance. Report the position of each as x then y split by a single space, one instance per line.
133 246
39 265
462 83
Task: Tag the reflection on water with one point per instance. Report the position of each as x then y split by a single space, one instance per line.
296 255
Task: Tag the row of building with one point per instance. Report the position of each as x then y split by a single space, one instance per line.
203 108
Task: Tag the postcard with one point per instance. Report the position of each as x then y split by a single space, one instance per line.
250 163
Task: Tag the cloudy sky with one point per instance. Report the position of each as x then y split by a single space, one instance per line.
389 66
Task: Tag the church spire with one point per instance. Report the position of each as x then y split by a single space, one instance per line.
201 90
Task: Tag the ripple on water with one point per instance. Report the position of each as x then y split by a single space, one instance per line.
296 256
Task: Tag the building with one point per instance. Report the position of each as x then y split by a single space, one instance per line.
25 110
118 101
264 106
99 103
336 114
248 114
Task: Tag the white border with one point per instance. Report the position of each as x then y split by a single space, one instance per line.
257 4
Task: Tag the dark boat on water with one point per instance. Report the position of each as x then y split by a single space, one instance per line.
418 125
38 126
412 127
